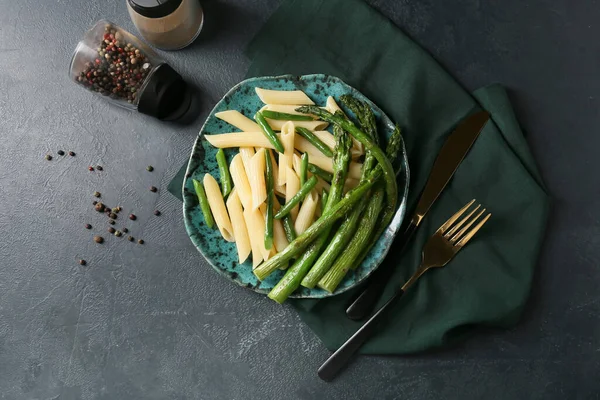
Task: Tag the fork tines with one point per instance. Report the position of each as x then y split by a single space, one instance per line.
450 229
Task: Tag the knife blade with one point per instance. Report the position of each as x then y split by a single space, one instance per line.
453 151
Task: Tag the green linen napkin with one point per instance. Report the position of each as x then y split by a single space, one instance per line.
488 283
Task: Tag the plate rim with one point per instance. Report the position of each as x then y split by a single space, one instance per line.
399 214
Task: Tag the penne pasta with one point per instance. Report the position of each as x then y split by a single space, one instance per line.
329 140
326 163
312 125
307 212
256 177
247 153
279 239
283 97
239 120
332 106
282 108
297 163
240 230
350 184
217 207
256 232
322 185
291 188
279 189
239 139
285 159
240 181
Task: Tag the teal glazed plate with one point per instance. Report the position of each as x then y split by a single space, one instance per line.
222 255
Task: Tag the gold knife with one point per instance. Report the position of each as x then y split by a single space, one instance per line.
449 158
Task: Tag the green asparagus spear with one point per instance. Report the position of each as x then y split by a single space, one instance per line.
270 199
348 126
364 114
295 274
314 140
328 176
224 172
297 198
328 217
285 116
324 196
266 128
364 239
334 276
344 233
304 169
288 227
204 206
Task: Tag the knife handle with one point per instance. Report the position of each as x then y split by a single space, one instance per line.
362 306
340 359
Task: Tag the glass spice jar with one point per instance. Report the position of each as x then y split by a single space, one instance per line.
112 62
167 24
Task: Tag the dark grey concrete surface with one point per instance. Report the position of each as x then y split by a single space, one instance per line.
155 322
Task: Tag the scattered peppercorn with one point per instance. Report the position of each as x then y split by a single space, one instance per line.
115 210
90 168
111 229
132 217
130 238
48 157
61 153
156 212
98 239
100 207
150 168
112 215
140 241
153 189
119 208
97 194
82 262
99 167
111 221
88 226
118 233
125 230
94 202
72 153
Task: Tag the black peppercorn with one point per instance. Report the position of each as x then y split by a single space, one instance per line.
111 230
48 157
72 153
153 189
112 215
88 226
150 168
125 230
132 217
111 221
140 241
98 239
82 262
99 167
130 238
96 194
61 153
156 212
100 207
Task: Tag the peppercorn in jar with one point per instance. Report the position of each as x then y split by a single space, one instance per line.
111 62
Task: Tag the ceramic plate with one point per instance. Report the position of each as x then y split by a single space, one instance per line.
222 255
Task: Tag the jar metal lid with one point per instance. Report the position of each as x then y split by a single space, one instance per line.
154 8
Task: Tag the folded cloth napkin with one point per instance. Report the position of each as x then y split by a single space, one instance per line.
488 283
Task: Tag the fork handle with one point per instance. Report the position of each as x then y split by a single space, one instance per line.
364 304
338 360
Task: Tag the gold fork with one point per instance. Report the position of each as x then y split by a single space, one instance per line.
448 240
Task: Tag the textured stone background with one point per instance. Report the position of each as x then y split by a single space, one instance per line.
155 322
